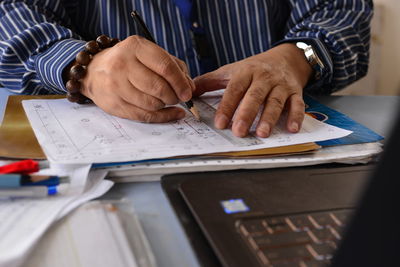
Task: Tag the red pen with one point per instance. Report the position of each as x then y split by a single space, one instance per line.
23 166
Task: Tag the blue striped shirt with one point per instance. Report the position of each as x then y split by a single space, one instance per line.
38 38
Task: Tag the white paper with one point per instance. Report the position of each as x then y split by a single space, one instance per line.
91 236
350 154
73 133
24 221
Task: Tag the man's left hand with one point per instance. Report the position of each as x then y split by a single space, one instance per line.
271 81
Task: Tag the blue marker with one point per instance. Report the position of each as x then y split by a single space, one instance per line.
18 180
52 181
28 191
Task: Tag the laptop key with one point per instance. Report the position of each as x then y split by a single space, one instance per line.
253 227
341 217
286 264
300 222
323 235
315 263
282 239
277 225
287 254
322 219
321 251
337 231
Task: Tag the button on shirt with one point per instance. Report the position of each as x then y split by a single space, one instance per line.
39 38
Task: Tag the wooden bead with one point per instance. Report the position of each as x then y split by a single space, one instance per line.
73 86
83 100
77 72
92 47
114 41
103 41
83 58
73 97
78 98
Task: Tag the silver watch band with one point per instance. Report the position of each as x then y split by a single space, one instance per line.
312 58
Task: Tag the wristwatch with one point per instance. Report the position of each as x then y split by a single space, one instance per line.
311 55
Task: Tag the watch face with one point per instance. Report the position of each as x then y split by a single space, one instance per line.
301 45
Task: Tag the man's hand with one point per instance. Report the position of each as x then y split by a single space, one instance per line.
135 79
271 81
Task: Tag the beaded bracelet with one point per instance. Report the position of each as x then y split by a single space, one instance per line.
79 66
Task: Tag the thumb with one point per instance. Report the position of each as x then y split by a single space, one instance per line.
211 81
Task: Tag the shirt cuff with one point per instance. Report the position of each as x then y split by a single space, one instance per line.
51 63
323 53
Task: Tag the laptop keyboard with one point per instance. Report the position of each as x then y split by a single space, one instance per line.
297 240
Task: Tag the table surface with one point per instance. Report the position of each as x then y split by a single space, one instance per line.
164 232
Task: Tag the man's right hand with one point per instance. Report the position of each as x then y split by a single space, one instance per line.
136 79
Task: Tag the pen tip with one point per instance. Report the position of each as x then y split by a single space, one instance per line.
195 112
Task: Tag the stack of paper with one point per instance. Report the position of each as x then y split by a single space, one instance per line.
152 171
25 220
99 233
72 133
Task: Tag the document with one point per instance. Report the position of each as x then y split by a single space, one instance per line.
24 221
98 233
152 171
73 133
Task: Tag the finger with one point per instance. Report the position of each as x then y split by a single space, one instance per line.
123 109
233 94
182 65
252 101
211 81
133 96
274 104
296 110
152 84
162 63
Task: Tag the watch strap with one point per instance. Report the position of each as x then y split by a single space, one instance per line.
312 58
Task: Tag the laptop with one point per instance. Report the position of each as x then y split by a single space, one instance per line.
327 215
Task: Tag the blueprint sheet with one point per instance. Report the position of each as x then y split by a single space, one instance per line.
73 133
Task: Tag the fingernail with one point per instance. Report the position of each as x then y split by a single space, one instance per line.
186 95
181 114
294 127
221 121
263 130
240 128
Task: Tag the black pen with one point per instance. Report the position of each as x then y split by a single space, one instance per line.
135 15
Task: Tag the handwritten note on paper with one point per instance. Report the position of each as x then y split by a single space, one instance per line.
72 133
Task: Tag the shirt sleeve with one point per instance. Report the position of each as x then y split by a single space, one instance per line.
36 43
340 32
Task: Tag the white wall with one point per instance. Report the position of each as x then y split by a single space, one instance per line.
384 72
